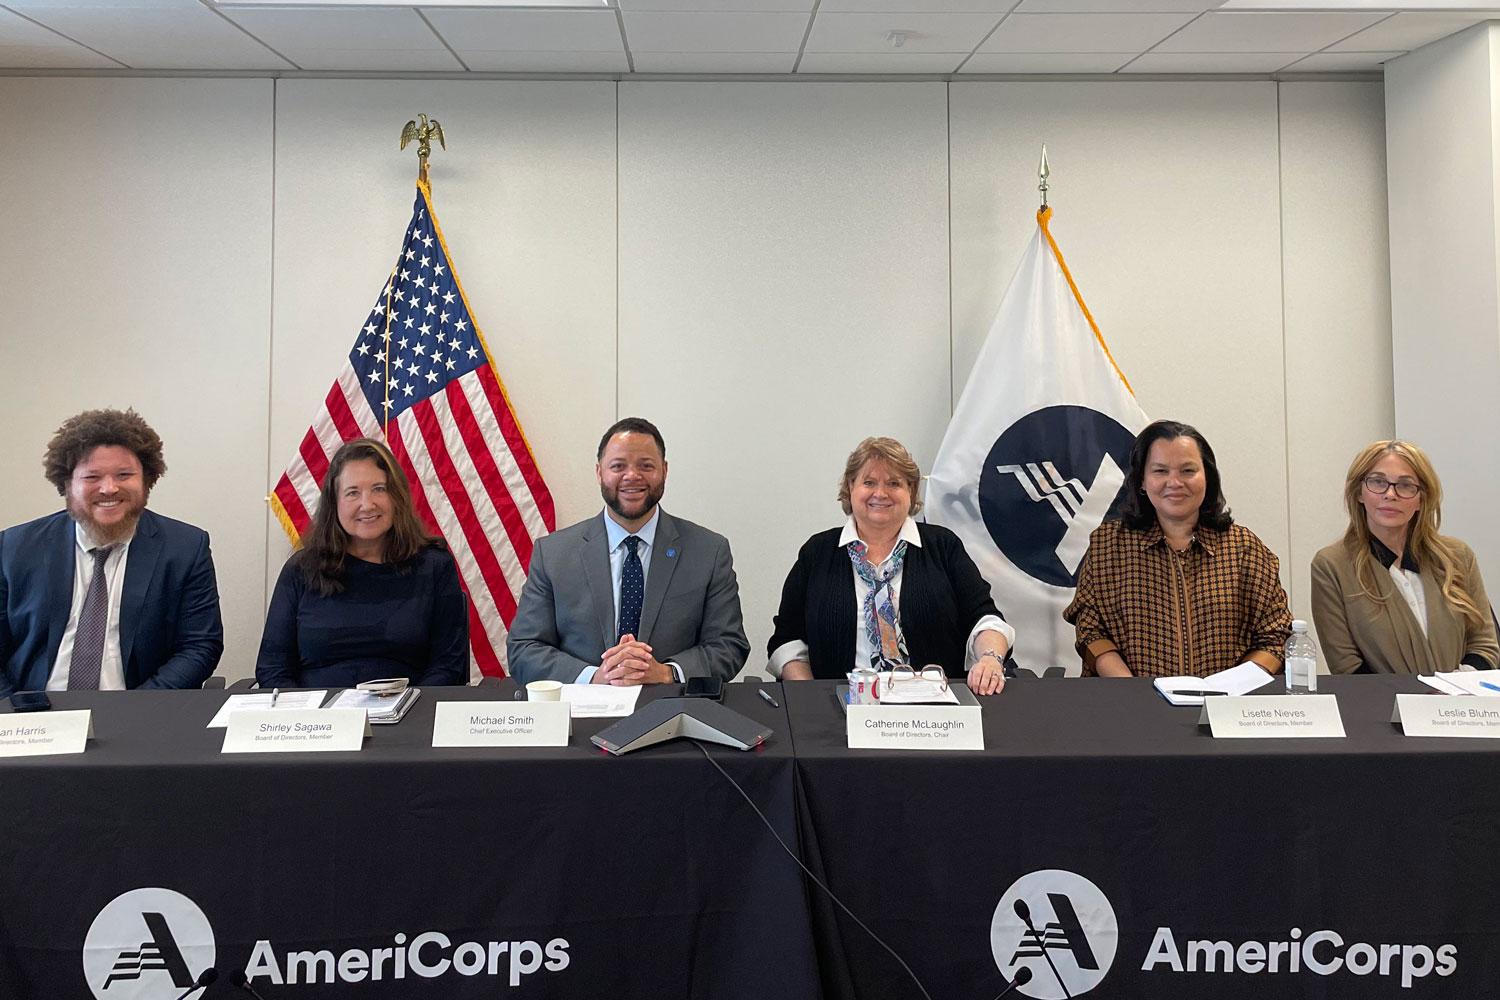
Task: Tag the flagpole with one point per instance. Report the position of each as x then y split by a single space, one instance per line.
390 287
424 133
1042 173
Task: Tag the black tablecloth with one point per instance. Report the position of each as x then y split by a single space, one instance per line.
658 876
1207 854
1380 839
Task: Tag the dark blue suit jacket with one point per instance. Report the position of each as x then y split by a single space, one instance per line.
171 635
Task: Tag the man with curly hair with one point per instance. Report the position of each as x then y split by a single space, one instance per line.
105 594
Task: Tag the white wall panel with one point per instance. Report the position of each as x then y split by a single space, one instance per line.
1165 199
136 253
1442 133
783 294
1336 271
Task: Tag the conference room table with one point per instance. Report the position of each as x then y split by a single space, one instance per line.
1152 859
1379 838
651 868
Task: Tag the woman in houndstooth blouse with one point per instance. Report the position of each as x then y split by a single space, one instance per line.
1174 586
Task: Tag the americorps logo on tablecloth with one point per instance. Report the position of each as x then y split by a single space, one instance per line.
153 944
1049 480
1057 931
147 944
1061 928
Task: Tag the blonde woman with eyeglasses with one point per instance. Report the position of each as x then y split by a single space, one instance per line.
1394 596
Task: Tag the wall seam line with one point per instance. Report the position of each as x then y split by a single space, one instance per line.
1286 387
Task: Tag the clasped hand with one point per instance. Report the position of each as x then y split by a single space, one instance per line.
628 662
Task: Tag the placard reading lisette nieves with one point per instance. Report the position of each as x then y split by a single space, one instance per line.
914 727
40 734
501 724
295 730
1270 717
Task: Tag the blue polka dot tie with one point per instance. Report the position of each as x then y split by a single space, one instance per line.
632 590
93 617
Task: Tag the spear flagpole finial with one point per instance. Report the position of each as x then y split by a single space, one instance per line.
1042 173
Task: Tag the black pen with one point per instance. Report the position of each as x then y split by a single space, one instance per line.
1198 694
769 700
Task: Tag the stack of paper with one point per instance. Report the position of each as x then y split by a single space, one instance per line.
265 700
600 701
1485 683
1235 681
916 690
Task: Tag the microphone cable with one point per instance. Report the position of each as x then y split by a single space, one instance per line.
1023 976
815 880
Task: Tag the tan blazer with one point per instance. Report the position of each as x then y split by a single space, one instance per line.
1356 631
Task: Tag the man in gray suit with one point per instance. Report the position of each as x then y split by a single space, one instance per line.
634 595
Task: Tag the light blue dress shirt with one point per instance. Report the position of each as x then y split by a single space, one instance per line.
615 534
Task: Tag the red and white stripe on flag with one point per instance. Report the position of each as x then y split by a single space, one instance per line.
451 428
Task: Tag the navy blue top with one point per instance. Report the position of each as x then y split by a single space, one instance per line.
384 623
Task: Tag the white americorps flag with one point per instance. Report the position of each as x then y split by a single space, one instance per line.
1037 451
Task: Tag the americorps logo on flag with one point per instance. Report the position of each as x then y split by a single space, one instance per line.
1049 480
1036 453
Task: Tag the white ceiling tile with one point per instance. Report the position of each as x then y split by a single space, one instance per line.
64 56
1267 31
529 30
1114 6
1407 31
157 37
995 7
714 62
1342 62
761 6
1082 32
924 32
493 61
17 30
652 31
880 62
438 60
1047 62
1210 62
111 5
359 28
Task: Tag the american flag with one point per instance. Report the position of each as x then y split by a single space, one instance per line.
421 378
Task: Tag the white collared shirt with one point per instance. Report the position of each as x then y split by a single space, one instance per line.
111 670
1409 585
615 535
797 649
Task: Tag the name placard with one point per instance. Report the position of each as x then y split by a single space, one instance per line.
501 724
914 727
1273 717
295 730
1434 715
41 734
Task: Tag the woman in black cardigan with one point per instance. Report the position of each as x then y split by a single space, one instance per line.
884 591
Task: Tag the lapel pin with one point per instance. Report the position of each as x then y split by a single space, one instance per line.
671 553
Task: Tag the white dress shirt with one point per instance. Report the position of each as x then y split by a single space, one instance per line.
796 649
111 670
615 534
1409 585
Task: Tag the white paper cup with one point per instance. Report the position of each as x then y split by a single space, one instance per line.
544 691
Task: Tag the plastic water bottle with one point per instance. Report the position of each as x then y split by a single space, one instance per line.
1301 661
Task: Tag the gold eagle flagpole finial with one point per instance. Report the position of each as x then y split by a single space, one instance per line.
423 133
1042 173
